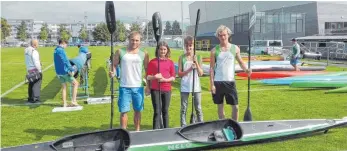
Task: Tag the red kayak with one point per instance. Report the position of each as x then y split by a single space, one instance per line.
278 74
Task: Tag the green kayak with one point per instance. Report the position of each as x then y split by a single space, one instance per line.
319 84
339 90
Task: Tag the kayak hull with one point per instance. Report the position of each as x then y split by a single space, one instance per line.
319 84
290 80
338 90
253 132
278 74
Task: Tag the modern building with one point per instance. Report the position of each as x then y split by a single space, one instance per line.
276 20
14 23
34 28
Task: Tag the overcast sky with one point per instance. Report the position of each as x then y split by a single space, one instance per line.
65 11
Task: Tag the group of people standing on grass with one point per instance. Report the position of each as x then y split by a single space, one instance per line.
133 60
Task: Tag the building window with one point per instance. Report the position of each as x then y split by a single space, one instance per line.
269 19
339 25
345 25
257 26
299 25
327 25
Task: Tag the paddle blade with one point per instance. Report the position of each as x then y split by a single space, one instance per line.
110 17
248 115
157 26
197 22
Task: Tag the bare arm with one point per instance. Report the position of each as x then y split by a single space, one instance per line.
239 59
145 64
212 64
198 66
180 68
115 60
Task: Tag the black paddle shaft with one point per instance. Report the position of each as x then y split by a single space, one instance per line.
157 28
248 113
192 118
111 26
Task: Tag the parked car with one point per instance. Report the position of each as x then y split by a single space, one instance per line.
267 47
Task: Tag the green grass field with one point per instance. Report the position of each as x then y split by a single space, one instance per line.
32 124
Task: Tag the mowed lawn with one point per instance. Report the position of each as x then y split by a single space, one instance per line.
21 124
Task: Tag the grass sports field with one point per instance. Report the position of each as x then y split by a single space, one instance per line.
21 124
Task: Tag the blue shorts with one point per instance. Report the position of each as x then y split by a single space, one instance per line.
294 61
127 95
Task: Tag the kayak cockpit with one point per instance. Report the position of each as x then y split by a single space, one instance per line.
107 140
214 131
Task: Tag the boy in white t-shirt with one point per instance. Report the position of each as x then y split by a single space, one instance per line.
186 64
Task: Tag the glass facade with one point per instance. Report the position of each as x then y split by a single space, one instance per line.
271 22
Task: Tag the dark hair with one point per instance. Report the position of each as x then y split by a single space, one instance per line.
187 39
62 41
79 45
163 43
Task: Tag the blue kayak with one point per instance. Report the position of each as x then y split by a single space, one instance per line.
290 80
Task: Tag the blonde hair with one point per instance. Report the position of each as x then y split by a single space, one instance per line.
134 33
222 28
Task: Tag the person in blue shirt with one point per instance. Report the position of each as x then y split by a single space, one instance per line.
82 62
65 72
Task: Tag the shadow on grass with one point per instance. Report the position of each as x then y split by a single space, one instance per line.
100 82
76 130
49 92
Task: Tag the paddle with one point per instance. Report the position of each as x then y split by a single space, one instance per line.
111 26
248 113
157 28
192 116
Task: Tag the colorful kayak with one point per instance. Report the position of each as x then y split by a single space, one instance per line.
262 68
319 84
278 74
290 80
338 90
199 136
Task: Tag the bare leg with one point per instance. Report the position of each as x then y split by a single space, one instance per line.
74 93
137 120
235 114
63 93
296 68
221 114
124 120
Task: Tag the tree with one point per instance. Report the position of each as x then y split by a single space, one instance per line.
135 27
101 33
22 31
44 32
176 29
83 34
150 30
121 31
64 34
168 30
5 29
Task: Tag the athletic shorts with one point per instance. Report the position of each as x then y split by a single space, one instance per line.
294 61
225 89
128 95
65 78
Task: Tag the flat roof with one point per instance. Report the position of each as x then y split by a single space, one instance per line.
343 37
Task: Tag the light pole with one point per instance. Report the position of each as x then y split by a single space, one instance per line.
182 23
282 20
146 25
